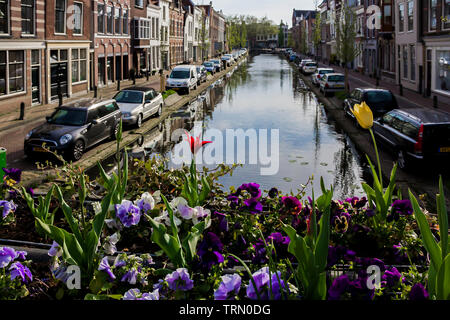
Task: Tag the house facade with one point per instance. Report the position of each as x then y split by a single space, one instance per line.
176 36
22 54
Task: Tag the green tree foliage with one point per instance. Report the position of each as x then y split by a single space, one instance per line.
281 35
243 28
317 31
346 49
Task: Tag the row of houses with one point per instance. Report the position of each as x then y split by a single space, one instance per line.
409 47
49 47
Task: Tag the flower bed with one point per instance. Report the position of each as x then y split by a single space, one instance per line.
175 234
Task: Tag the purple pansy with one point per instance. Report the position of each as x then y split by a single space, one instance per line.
292 205
223 222
210 251
262 279
19 270
391 277
356 202
400 208
252 188
55 250
339 286
179 280
228 288
13 173
253 205
8 207
130 276
146 203
7 255
104 266
135 294
418 292
128 213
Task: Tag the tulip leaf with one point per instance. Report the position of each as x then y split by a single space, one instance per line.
443 280
69 215
429 242
191 240
443 218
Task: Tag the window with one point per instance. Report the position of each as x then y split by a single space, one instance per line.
433 14
117 20
442 79
12 72
410 15
446 15
101 18
140 3
405 62
142 28
109 20
77 18
401 20
79 64
27 7
125 22
60 16
412 56
387 14
4 17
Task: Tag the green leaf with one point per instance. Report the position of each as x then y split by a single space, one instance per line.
321 250
443 218
429 242
191 240
376 181
443 280
68 215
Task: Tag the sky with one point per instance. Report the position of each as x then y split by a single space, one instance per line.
275 10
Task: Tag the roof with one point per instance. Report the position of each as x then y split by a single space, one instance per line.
86 103
183 66
143 89
427 115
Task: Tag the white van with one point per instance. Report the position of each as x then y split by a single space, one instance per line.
183 78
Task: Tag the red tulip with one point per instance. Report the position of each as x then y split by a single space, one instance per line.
195 144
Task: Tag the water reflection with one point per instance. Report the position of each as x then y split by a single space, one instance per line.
266 93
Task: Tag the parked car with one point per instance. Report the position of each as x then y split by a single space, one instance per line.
302 63
201 74
210 67
242 51
227 60
183 77
332 82
379 101
415 135
309 67
217 64
292 57
74 127
233 60
138 104
319 73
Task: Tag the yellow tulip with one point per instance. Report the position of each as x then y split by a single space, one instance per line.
363 114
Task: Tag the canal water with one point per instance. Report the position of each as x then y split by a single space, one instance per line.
265 92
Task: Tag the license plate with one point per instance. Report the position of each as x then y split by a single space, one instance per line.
445 149
339 86
39 149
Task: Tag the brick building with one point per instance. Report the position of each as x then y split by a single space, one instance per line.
111 45
22 52
176 37
141 27
67 34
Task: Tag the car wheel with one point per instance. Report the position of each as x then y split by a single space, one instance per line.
139 121
77 150
401 160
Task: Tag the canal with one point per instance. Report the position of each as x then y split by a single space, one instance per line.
265 92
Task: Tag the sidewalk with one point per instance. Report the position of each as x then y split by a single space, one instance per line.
410 99
13 131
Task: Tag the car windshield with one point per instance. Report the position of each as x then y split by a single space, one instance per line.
378 96
311 65
180 74
68 117
208 64
336 78
215 61
129 97
226 58
325 71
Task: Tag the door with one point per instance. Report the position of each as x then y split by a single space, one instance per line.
148 103
108 115
428 71
95 132
58 79
35 85
118 68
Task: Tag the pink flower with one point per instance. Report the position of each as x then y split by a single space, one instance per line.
196 143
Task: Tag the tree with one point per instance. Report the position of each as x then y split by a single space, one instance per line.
281 35
317 31
290 42
204 40
303 40
346 49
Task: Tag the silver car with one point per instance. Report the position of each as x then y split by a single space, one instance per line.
332 82
315 78
138 104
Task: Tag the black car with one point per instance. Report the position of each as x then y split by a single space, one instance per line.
379 101
415 135
74 127
202 74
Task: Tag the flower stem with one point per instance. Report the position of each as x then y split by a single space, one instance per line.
380 177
